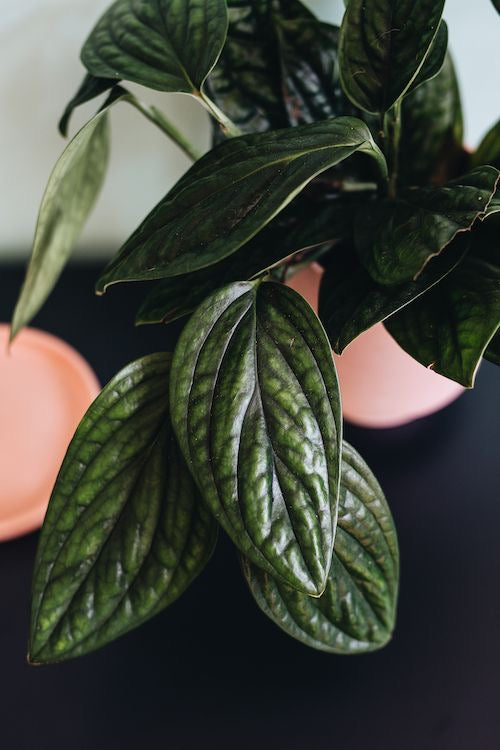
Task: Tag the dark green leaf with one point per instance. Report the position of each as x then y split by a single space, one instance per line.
69 197
357 611
496 4
255 406
488 151
90 88
396 239
432 130
125 532
492 353
450 327
350 301
169 45
230 194
434 60
383 46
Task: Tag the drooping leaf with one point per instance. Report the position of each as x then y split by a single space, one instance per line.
434 60
125 532
230 194
383 46
396 239
488 151
350 301
432 130
492 353
168 45
89 89
69 197
305 224
357 611
255 406
451 326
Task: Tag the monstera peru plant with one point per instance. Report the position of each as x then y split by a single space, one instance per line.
342 146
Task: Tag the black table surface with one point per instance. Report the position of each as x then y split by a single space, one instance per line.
213 672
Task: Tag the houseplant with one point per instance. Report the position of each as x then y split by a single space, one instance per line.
342 146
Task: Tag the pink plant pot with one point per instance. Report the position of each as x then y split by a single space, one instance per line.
381 385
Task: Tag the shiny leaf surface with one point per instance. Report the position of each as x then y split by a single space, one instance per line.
383 46
357 611
255 406
168 45
450 327
230 194
488 151
350 301
90 88
125 532
396 239
434 60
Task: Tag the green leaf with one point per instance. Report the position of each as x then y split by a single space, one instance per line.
125 532
350 302
383 47
69 197
432 130
255 406
492 353
488 151
396 239
434 60
303 225
89 89
450 327
496 4
169 45
230 194
357 611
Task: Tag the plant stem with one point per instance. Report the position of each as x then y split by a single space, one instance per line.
156 116
392 128
227 125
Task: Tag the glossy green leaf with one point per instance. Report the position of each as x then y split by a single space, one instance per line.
125 532
492 353
90 88
69 197
169 45
256 410
230 194
450 327
432 130
434 60
383 46
357 611
305 224
396 239
350 301
488 151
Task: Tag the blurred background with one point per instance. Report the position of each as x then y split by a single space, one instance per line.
40 42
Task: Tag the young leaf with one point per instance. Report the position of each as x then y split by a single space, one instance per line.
396 239
357 611
350 302
383 46
450 327
432 130
256 410
230 194
89 89
488 151
169 45
69 197
125 532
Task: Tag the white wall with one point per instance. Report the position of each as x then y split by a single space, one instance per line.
40 70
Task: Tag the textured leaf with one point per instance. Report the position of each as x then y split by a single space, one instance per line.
488 151
125 532
350 302
89 89
450 327
357 611
432 130
396 239
255 406
169 45
303 225
69 197
230 194
383 46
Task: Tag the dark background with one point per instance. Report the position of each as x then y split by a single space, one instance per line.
213 672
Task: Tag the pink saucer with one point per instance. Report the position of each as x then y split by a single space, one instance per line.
45 389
